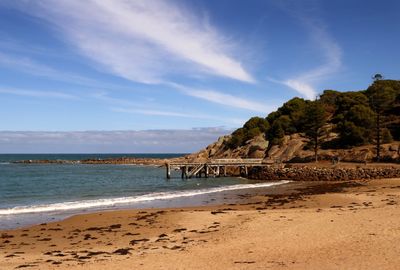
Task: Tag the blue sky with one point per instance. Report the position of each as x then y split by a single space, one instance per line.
68 66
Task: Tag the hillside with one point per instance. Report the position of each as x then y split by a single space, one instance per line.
344 125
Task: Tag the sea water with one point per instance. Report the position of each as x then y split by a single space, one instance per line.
35 193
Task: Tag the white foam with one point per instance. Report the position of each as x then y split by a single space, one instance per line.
86 204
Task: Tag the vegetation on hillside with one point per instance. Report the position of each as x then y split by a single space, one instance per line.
370 116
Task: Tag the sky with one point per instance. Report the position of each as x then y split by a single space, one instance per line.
74 72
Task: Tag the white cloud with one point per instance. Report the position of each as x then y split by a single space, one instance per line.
36 93
153 141
331 52
144 41
302 87
157 112
229 100
125 106
152 112
224 99
29 66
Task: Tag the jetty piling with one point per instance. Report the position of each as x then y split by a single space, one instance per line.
214 167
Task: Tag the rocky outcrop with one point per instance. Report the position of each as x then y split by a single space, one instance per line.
291 147
254 148
292 150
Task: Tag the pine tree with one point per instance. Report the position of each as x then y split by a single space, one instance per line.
314 120
381 97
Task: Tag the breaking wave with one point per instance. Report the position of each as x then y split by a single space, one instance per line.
110 202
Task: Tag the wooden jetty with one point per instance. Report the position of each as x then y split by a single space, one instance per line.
214 167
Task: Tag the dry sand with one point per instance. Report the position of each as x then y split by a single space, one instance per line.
327 226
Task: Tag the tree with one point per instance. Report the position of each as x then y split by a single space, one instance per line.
287 124
329 99
381 97
252 128
314 120
386 136
362 116
351 134
257 122
377 77
294 110
276 133
237 139
252 133
272 117
345 101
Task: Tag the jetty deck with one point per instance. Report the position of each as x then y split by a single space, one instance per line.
213 168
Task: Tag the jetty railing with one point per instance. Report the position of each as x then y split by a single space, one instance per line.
214 167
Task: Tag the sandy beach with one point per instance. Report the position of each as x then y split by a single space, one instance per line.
353 225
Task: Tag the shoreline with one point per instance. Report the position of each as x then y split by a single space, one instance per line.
173 199
330 225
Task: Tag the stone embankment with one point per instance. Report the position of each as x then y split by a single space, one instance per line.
322 174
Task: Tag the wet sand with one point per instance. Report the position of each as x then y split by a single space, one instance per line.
353 225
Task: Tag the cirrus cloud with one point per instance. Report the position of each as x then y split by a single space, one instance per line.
143 41
331 53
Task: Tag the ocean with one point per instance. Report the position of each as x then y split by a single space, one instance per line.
36 193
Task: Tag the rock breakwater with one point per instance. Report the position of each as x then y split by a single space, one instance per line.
121 160
126 160
322 174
